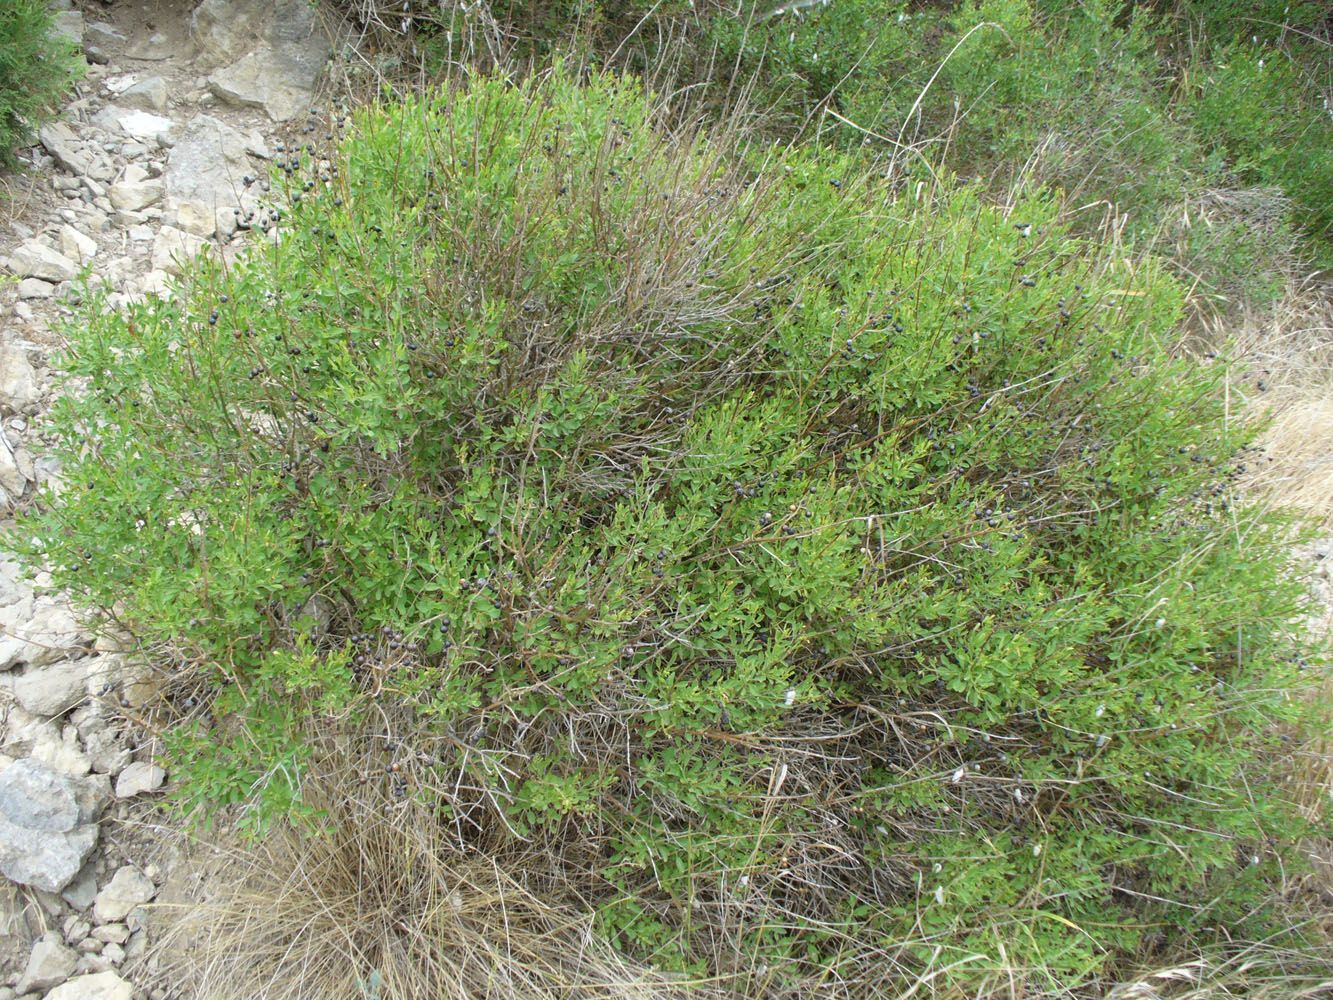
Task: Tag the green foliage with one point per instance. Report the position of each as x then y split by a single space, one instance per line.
830 579
36 69
1265 110
1231 19
1143 107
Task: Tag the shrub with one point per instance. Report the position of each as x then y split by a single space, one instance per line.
823 582
1257 107
36 69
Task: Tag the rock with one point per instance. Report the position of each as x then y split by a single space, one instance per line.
73 154
138 778
196 217
47 825
35 288
12 479
112 933
280 75
154 48
91 965
69 26
47 634
80 894
127 889
18 379
142 125
107 752
225 223
207 164
36 260
76 246
135 196
61 752
257 145
99 986
102 33
156 283
94 53
224 30
48 690
49 964
173 248
148 95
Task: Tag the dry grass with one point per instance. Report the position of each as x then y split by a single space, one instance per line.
1283 373
382 903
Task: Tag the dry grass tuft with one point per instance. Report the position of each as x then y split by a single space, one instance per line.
381 903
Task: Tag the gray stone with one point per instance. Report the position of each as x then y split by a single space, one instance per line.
207 164
36 260
61 752
91 965
107 752
98 986
224 30
196 217
174 247
74 154
49 964
47 825
80 893
77 246
127 889
12 479
50 690
75 927
18 379
135 196
102 32
138 778
143 125
155 48
147 95
35 288
112 933
225 223
40 633
280 75
94 53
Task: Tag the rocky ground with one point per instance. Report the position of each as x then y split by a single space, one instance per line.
161 154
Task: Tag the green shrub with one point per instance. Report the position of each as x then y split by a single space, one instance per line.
1232 19
1256 107
823 583
36 69
989 88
